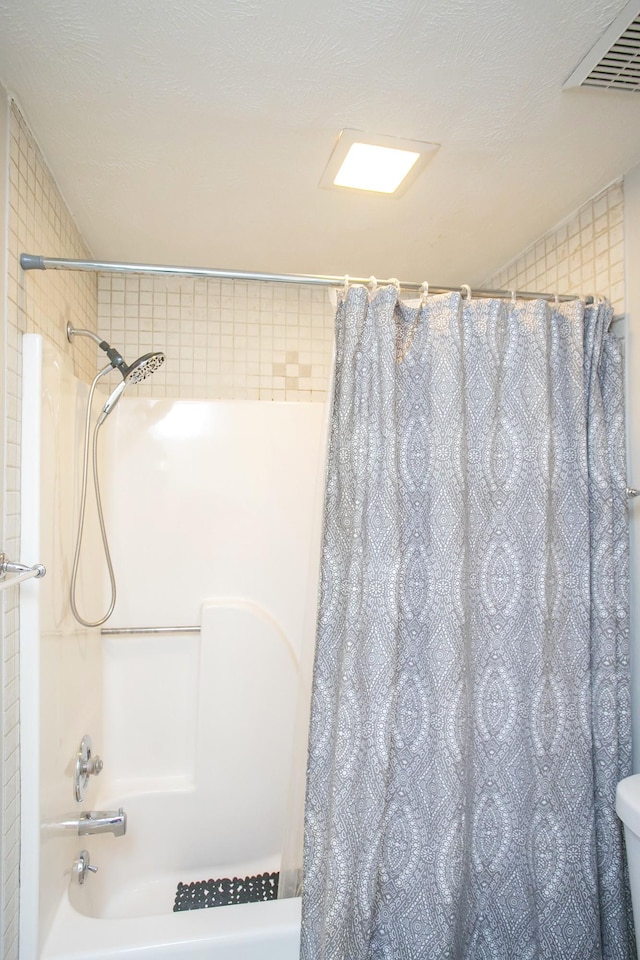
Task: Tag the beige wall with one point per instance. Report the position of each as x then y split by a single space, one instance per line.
37 221
583 255
257 341
223 339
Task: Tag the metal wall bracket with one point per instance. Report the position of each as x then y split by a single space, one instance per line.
21 571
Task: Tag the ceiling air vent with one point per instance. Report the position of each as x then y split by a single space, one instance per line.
614 62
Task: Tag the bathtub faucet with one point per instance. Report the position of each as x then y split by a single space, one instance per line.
103 821
93 821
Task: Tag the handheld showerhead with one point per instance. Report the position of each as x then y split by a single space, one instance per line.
114 396
143 367
139 370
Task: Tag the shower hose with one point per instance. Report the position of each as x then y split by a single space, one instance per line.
83 504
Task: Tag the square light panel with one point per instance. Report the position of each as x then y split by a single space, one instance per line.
375 163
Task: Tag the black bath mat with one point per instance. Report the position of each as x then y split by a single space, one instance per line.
223 892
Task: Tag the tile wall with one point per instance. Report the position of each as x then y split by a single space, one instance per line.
223 339
259 341
583 255
38 222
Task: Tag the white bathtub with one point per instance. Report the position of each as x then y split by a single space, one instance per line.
253 931
223 818
126 908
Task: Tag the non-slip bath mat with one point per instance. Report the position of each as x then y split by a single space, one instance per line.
225 891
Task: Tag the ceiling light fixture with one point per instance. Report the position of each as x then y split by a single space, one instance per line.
375 163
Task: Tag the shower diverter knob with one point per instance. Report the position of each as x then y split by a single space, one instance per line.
81 867
94 765
86 765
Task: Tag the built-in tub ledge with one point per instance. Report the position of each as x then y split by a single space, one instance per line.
251 931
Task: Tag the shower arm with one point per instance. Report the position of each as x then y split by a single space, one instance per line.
80 332
116 358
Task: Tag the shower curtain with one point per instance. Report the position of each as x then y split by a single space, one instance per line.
470 709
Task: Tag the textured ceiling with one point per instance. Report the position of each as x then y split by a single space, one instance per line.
196 131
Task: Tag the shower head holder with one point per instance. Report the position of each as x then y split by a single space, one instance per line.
115 357
139 370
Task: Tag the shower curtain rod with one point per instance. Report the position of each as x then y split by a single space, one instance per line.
30 261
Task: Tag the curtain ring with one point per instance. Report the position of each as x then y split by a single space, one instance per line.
513 297
345 286
424 293
556 299
465 291
373 285
394 282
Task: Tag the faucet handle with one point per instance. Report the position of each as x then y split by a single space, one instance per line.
93 765
86 765
81 867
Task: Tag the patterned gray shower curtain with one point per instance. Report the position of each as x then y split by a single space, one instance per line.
470 710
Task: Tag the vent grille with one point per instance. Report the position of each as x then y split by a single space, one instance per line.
619 69
614 62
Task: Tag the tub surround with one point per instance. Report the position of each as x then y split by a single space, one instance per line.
213 516
61 692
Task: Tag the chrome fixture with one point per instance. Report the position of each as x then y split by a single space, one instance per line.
103 821
81 867
91 822
131 373
21 571
146 631
632 493
86 766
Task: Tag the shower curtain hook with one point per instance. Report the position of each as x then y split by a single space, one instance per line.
465 291
373 285
513 297
556 299
394 282
424 288
345 286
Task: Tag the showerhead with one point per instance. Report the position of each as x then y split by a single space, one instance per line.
142 368
139 370
133 373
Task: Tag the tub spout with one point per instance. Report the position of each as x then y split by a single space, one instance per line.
89 822
102 821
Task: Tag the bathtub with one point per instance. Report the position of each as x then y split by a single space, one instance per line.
221 815
253 931
126 908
